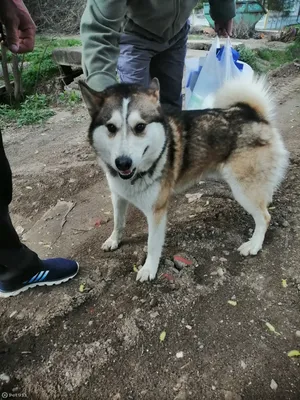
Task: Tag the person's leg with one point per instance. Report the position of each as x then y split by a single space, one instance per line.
20 267
134 59
168 67
9 239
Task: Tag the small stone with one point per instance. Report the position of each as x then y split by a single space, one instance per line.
154 314
4 378
214 258
273 385
169 263
228 395
179 354
181 262
298 333
285 224
72 180
188 327
223 259
19 229
120 316
243 364
220 271
13 314
213 387
145 249
91 323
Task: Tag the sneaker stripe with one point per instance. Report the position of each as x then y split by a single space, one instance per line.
33 278
38 277
45 273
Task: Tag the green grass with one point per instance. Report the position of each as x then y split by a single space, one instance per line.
69 98
34 110
41 65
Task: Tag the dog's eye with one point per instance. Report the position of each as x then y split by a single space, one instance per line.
111 128
140 128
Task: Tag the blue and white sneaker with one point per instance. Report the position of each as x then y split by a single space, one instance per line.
53 271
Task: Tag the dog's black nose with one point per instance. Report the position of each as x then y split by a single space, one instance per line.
123 163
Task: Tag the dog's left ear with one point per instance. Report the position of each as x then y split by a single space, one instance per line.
154 85
92 99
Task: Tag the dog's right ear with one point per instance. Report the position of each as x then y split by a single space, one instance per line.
92 99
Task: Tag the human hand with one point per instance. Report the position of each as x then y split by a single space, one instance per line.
224 28
20 28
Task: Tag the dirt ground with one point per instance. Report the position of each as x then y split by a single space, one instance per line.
104 342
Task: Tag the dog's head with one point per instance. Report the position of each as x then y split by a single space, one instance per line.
127 128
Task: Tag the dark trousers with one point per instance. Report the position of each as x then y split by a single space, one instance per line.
14 256
141 60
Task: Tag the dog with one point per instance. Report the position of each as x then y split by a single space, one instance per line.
147 154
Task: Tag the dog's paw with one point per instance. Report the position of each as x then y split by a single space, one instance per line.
110 244
146 273
250 248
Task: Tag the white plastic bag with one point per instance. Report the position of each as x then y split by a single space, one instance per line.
214 73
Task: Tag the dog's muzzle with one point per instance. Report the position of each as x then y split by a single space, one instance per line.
127 174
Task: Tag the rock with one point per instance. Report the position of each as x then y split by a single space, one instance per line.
273 385
169 263
182 395
19 229
228 395
4 378
179 354
193 197
181 262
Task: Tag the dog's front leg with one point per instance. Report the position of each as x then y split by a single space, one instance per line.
156 237
120 206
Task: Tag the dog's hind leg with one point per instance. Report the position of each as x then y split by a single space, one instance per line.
157 226
254 198
120 206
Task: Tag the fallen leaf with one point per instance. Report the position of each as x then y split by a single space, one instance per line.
232 302
183 260
135 268
81 288
283 283
294 353
162 336
271 328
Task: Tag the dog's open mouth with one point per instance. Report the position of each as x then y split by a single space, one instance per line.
127 174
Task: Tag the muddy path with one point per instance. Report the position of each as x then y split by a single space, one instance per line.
59 343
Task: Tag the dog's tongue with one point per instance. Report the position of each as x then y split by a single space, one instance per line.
127 172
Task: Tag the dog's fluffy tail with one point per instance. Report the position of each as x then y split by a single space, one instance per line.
254 92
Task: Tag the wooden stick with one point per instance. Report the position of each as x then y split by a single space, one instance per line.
8 86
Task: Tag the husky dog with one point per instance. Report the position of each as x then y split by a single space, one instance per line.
147 154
